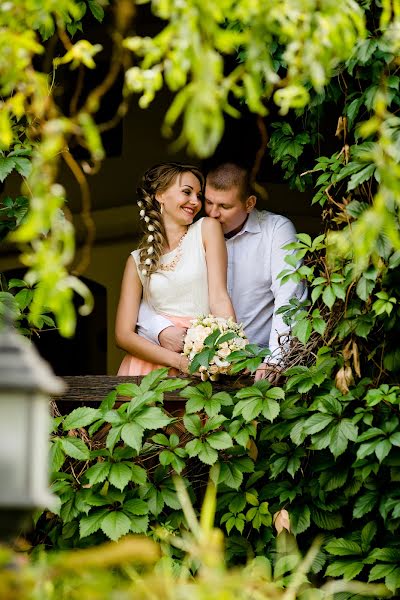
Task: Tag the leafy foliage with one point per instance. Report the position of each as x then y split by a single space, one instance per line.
133 567
15 304
329 458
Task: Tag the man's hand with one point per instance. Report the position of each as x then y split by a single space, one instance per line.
270 372
172 338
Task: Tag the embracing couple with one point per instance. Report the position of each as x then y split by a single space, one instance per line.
226 264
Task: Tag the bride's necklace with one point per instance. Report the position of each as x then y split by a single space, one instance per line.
170 266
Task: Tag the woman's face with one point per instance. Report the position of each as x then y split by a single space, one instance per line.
182 200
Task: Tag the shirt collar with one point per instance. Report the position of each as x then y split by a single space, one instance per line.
252 225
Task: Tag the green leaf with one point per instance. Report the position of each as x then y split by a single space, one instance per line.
136 507
230 475
6 166
155 501
24 298
132 435
16 283
115 525
192 424
120 475
194 405
380 571
366 449
141 401
237 504
328 296
359 178
80 417
201 359
23 166
96 9
300 519
251 392
220 440
270 409
170 498
139 475
139 524
343 547
365 504
364 288
98 473
395 439
57 455
91 523
392 580
340 435
166 457
275 393
302 330
128 389
152 418
113 437
212 407
344 568
223 398
207 454
327 520
114 417
368 533
75 448
169 385
334 480
249 409
383 449
152 379
193 447
317 422
160 439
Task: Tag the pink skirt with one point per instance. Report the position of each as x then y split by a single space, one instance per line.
136 366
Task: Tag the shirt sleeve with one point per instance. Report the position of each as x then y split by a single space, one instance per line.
284 233
150 323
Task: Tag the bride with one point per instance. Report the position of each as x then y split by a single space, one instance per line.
179 268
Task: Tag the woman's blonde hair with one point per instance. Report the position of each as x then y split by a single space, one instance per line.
156 180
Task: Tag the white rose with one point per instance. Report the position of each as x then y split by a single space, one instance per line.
221 363
197 346
223 352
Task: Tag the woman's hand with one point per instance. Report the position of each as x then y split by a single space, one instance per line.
184 365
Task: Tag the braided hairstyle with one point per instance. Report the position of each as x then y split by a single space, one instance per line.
156 180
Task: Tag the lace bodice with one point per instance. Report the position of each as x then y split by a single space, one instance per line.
182 290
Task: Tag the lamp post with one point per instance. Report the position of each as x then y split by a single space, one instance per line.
26 384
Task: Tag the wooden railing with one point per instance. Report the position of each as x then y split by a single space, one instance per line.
90 390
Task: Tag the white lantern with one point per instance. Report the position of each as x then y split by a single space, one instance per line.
26 385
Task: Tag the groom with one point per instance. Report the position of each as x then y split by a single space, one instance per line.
254 242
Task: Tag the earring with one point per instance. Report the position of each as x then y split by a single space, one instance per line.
161 209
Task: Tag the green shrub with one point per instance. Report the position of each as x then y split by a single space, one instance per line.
330 458
132 568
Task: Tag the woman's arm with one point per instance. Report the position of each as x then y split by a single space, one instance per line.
127 312
217 261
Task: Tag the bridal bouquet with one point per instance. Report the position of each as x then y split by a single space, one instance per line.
208 343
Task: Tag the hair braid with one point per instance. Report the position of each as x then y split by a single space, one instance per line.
151 245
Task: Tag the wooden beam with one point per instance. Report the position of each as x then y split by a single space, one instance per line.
94 388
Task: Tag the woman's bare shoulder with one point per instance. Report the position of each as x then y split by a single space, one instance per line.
210 225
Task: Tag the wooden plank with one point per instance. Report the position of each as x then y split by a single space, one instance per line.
94 388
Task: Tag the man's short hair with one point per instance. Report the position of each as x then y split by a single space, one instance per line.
229 175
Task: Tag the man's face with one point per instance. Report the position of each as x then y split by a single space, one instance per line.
227 207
